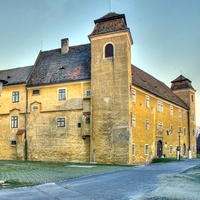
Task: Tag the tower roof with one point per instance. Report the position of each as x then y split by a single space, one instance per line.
110 22
181 83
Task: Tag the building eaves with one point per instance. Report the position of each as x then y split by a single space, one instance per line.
152 85
16 75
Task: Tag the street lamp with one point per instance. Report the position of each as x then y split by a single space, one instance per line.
2 82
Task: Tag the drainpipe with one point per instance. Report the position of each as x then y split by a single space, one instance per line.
25 133
189 147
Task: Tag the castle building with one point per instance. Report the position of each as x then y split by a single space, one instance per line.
88 103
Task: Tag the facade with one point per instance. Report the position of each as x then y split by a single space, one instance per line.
88 103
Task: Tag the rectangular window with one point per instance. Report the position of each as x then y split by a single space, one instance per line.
87 120
36 92
171 110
87 93
160 106
147 124
179 129
61 94
160 127
193 118
133 149
146 149
14 122
133 121
13 143
147 101
184 131
170 149
133 92
60 122
79 125
180 113
15 96
184 115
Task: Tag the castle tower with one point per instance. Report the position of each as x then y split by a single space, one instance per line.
182 87
111 82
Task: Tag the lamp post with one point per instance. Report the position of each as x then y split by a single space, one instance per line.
2 82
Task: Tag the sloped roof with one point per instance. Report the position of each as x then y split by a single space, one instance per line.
111 22
147 82
16 75
181 83
54 67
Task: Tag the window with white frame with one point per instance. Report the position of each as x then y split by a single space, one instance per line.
171 110
133 149
160 127
147 124
180 113
179 129
15 96
184 115
14 121
61 94
60 122
133 92
133 121
170 149
146 149
160 106
193 118
147 101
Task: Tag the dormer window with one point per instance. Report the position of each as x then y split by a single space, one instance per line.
109 51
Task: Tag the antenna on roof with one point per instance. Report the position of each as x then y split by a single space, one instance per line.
110 5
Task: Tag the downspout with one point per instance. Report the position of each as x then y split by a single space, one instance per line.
189 147
25 133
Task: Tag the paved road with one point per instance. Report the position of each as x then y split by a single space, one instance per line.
123 185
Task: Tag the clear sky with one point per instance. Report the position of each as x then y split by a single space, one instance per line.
166 33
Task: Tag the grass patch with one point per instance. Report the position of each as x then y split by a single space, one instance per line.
163 160
29 173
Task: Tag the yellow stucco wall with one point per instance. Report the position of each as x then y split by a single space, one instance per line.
141 136
47 141
7 110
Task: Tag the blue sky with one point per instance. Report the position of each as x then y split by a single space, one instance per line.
166 33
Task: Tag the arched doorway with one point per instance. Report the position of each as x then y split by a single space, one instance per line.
159 149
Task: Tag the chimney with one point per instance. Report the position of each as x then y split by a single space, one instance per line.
64 45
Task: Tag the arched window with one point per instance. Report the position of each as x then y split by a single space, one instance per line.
109 51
